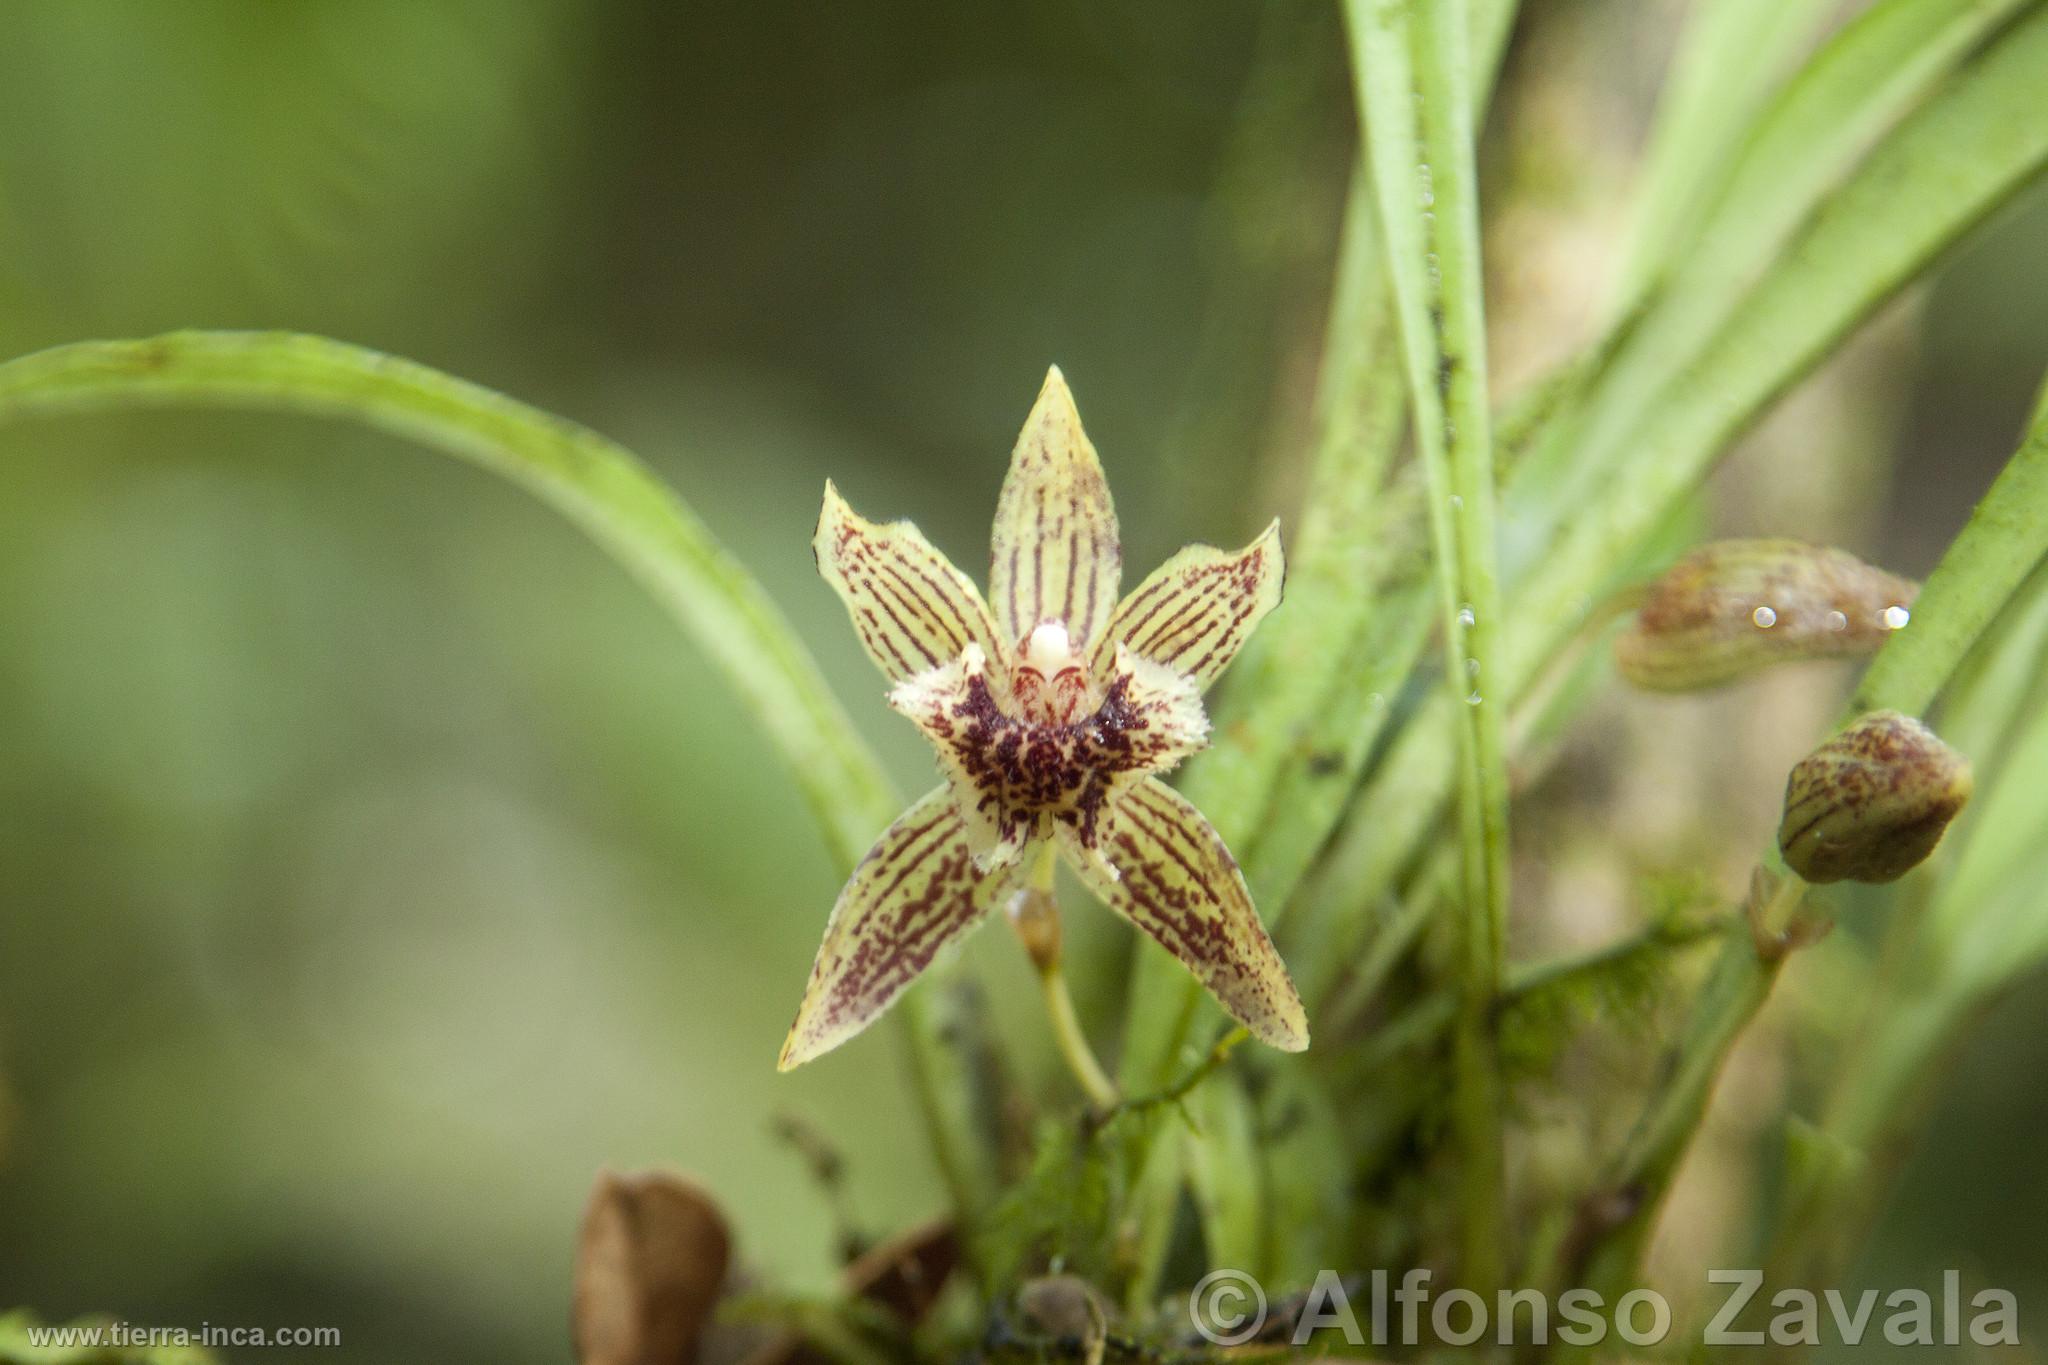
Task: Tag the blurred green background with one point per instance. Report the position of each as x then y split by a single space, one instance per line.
376 863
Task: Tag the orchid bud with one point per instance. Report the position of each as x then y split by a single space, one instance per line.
1036 916
1871 803
1731 607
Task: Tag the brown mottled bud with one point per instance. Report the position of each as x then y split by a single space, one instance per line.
1035 914
650 1262
1731 607
1871 803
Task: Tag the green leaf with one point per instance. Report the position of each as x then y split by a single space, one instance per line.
2002 680
1411 62
1809 136
1986 927
1938 175
1226 1176
1297 719
2005 538
1304 1154
614 498
1286 719
595 483
1728 58
1942 172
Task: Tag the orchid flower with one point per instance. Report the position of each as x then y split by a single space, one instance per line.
1053 707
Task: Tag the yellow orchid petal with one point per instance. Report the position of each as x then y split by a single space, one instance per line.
916 891
1194 611
912 609
1177 882
1054 554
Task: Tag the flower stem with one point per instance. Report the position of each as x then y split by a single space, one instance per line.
1066 1031
1185 1086
1035 916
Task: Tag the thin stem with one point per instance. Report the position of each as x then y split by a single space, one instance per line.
1036 919
1180 1089
1635 1183
1073 1044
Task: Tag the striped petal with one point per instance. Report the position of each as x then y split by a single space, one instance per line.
1194 611
916 891
1177 882
1054 554
912 609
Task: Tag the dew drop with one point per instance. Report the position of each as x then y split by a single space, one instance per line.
1895 618
1764 617
1457 501
1471 668
1837 621
1473 698
1467 616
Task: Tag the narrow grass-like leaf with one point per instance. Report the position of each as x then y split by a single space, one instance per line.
614 498
1728 57
593 482
1805 141
1297 717
2001 682
1225 1175
1412 65
1938 175
2006 537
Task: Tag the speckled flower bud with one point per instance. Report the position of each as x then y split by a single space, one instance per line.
1732 607
1871 803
